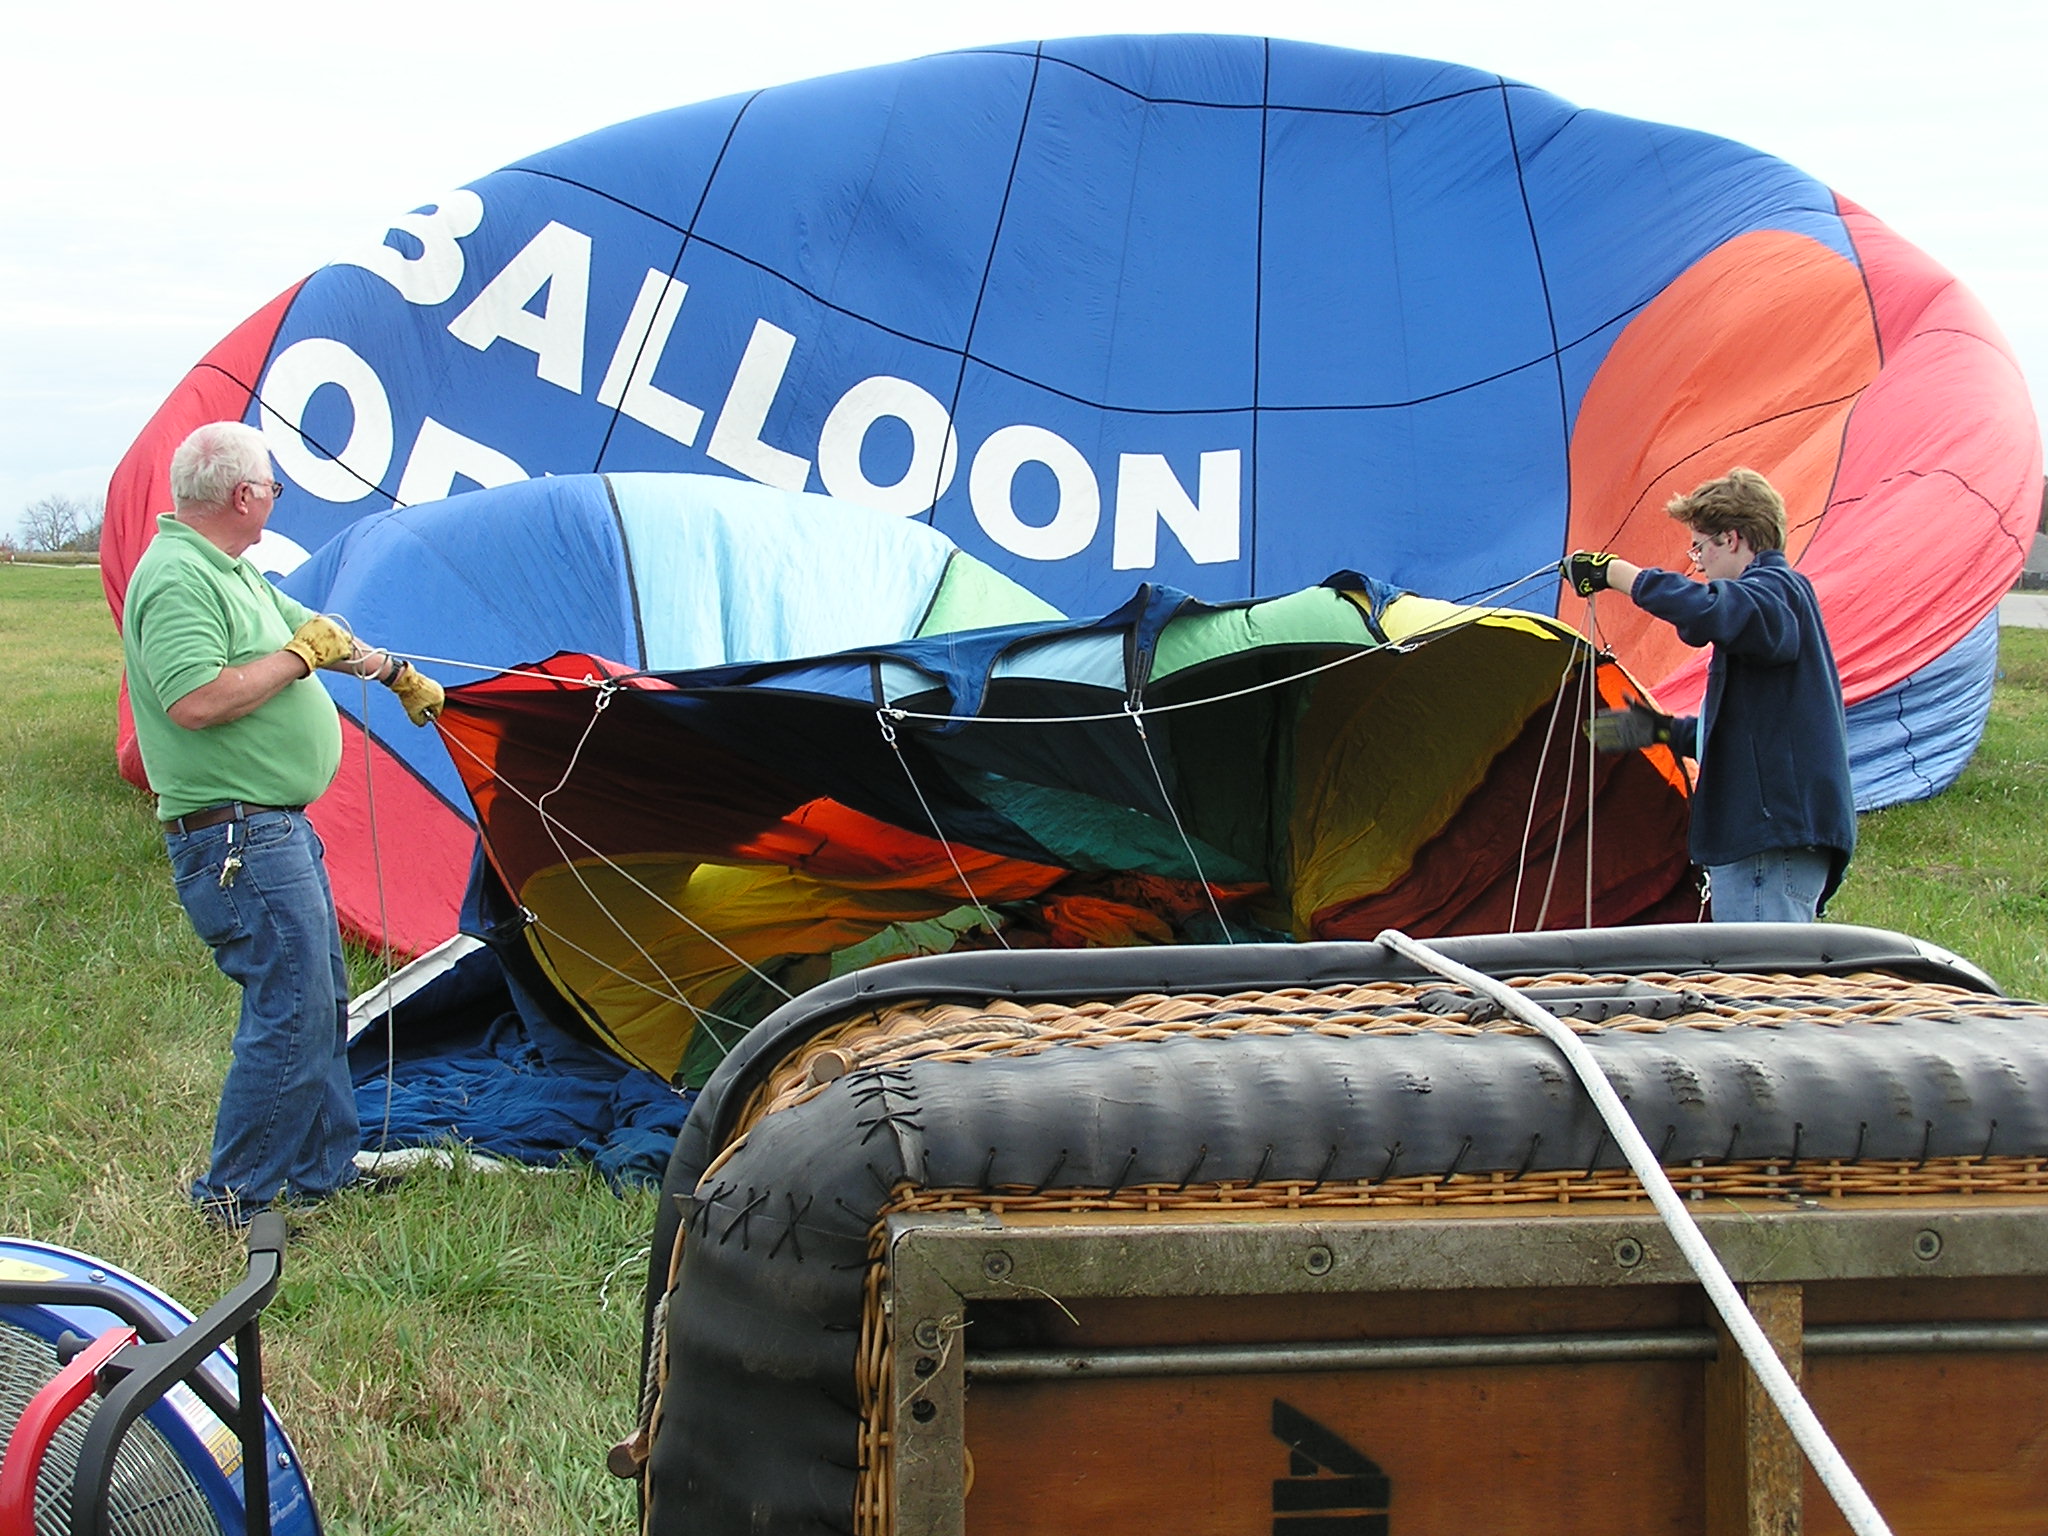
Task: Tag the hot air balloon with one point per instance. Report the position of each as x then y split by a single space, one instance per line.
1217 314
737 784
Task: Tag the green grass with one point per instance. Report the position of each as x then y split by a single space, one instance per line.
1969 868
456 1357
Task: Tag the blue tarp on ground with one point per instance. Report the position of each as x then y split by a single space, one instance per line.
471 1069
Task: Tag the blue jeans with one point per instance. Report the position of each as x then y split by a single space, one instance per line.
1779 885
287 1119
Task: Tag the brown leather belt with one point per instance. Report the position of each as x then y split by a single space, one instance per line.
214 815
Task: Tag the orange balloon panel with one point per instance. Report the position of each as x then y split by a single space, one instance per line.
1756 354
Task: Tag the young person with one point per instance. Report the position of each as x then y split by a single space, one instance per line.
1774 818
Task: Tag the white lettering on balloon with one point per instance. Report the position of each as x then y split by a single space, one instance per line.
628 385
1148 494
432 276
441 455
557 259
934 447
736 440
992 480
557 262
296 374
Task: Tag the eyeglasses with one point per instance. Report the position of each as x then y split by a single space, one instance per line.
1701 546
275 487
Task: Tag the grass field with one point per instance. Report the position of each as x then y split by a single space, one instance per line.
456 1357
452 1358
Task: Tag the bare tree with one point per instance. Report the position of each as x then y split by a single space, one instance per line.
91 521
61 522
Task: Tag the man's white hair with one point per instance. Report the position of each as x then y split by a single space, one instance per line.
215 459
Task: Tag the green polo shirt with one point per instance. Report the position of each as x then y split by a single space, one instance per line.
193 610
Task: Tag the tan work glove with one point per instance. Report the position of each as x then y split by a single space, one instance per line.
419 693
320 642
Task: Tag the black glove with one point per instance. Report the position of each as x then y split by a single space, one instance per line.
1627 730
1586 570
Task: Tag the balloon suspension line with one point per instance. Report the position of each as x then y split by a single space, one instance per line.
1536 795
1414 642
1592 696
383 930
1564 799
554 825
490 671
1827 1462
889 735
1491 596
547 820
1137 713
384 955
1411 643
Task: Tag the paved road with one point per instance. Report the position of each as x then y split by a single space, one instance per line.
2023 610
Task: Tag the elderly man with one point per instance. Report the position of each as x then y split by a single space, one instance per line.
237 736
1774 822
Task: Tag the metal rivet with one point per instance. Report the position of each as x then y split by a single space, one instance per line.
927 1334
1318 1260
997 1265
923 1410
925 1365
1628 1253
1926 1245
283 1460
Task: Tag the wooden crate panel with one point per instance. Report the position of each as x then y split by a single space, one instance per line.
1508 1451
1945 1445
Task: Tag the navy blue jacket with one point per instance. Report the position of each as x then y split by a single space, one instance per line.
1771 739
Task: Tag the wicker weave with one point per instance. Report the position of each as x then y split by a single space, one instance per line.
957 1032
952 1031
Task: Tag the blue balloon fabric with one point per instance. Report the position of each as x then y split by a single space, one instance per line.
468 1062
1406 273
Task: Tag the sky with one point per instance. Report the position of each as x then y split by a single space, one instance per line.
165 170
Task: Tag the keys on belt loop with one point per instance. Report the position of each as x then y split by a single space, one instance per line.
231 866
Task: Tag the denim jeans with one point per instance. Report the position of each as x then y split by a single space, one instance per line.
1779 885
287 1118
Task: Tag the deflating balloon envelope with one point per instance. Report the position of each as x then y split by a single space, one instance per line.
1219 314
676 853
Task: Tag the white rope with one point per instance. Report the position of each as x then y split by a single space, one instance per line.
1592 747
1834 1472
1493 595
703 1015
383 928
553 822
987 917
383 907
1414 642
1564 810
491 671
606 687
548 822
896 712
1137 715
1536 792
1592 769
